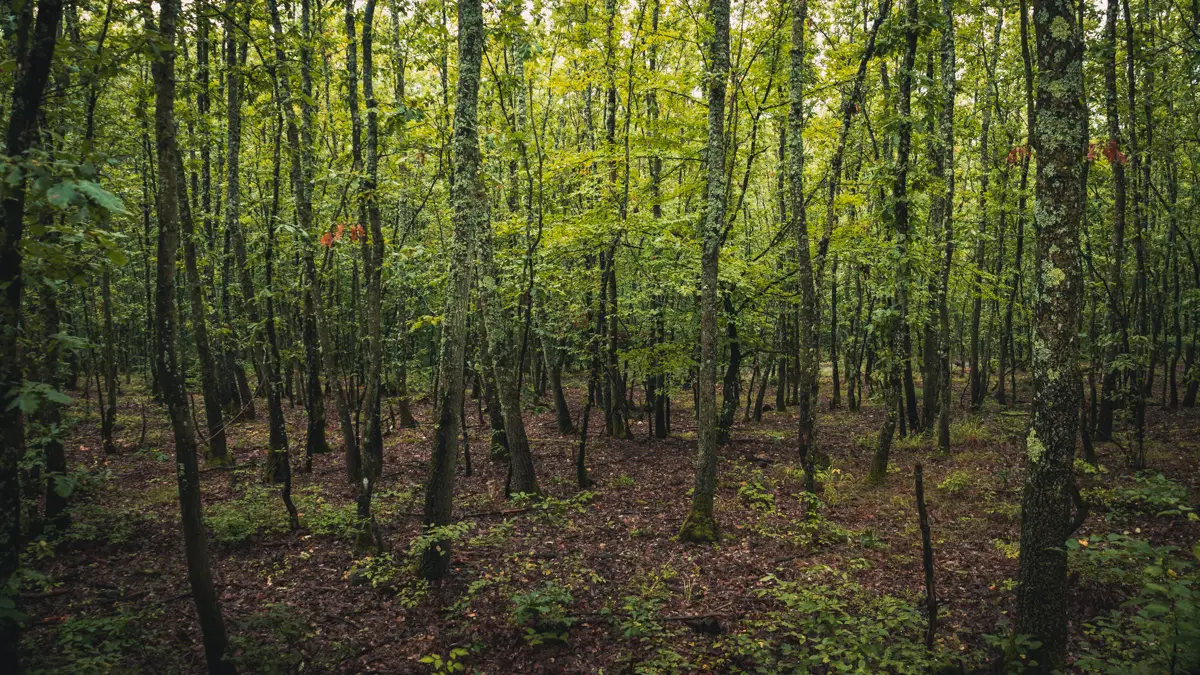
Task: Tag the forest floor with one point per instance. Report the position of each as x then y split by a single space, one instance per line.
596 577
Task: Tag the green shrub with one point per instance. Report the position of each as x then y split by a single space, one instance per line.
757 492
828 627
264 642
543 614
105 644
257 511
957 483
1152 493
1157 629
970 431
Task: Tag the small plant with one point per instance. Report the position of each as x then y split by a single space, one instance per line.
818 624
554 511
957 483
1011 550
257 511
970 431
543 614
756 492
497 535
452 663
264 642
104 644
624 481
379 570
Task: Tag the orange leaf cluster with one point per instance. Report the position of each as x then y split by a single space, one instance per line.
357 232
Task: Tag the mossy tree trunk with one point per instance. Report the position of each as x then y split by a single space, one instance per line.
1045 510
468 200
700 525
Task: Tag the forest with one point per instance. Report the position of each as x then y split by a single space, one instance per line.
600 336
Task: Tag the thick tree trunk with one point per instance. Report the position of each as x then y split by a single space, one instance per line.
1045 513
33 71
469 201
700 524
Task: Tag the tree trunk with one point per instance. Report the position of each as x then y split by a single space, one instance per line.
1045 512
1116 292
212 625
700 525
32 73
469 201
899 319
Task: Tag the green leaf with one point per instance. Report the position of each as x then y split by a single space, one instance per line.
103 198
61 195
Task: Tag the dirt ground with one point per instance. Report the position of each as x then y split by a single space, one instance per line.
115 597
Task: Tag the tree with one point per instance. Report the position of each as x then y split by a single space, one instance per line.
34 52
469 207
1050 446
208 606
700 525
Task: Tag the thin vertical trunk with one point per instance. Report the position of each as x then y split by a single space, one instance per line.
1115 290
899 319
212 625
218 452
808 327
946 140
700 524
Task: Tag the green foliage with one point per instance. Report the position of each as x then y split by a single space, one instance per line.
256 511
555 511
969 432
543 614
1155 630
100 524
957 483
265 642
451 663
757 492
432 536
1151 494
99 645
817 626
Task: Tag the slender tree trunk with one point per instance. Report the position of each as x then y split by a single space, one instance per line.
700 525
1045 512
212 625
946 143
900 212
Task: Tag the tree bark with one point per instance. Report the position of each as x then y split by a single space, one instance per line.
469 201
1045 511
212 625
33 71
700 525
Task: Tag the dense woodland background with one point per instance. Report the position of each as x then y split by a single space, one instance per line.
599 336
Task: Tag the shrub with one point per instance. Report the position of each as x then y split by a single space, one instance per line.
836 627
1152 493
956 483
1157 629
756 492
543 614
